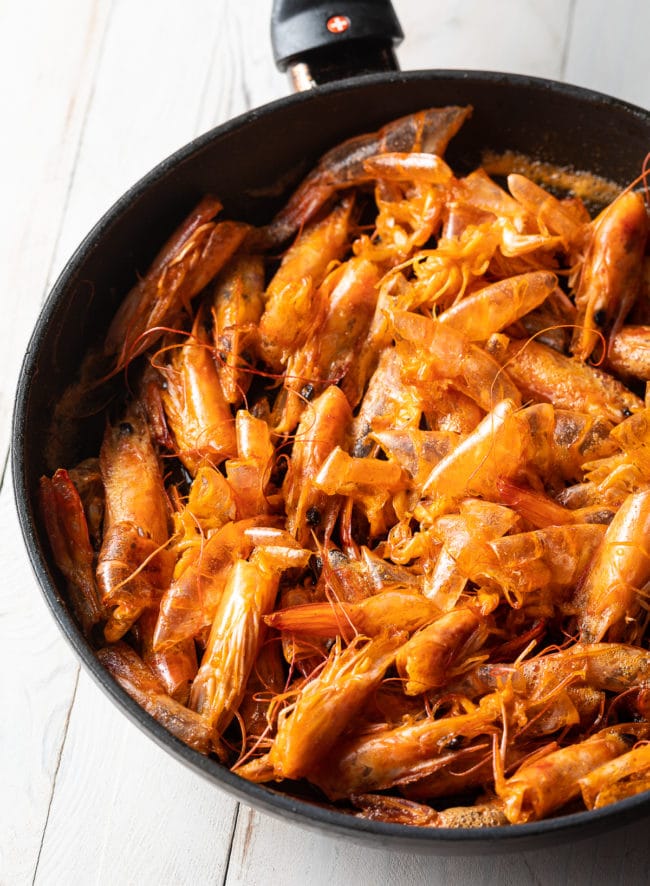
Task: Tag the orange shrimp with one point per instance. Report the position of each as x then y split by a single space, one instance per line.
578 438
401 754
498 305
249 473
480 192
267 679
303 652
429 350
413 167
550 561
378 340
444 583
608 667
134 566
209 506
349 297
547 784
408 216
343 166
87 480
309 728
237 305
193 255
403 610
629 352
609 598
450 411
461 771
624 776
550 324
396 810
323 427
610 277
133 675
551 215
541 511
541 373
443 275
507 443
343 577
416 451
67 531
477 522
368 481
196 409
424 662
188 605
383 574
388 403
175 667
235 639
292 295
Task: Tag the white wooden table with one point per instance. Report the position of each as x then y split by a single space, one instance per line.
93 94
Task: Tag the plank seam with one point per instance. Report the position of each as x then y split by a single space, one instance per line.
82 132
56 773
5 464
230 847
564 61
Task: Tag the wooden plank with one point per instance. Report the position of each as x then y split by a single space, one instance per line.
125 811
241 74
267 850
38 675
503 35
608 50
43 116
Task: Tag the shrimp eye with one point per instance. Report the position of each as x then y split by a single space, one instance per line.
600 317
313 516
454 743
126 428
307 392
625 412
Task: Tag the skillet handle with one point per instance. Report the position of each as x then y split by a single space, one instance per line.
323 41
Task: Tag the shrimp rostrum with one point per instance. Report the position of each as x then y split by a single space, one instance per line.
370 516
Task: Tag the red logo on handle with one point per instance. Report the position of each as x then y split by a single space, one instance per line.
337 24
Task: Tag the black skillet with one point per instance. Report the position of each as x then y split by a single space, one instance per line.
242 162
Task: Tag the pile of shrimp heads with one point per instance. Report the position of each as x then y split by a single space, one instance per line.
371 514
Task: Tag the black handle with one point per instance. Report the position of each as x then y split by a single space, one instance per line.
334 39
